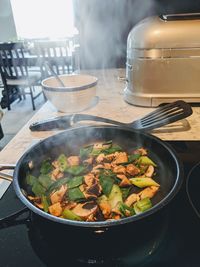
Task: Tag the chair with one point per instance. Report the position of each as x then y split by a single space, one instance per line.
60 55
17 78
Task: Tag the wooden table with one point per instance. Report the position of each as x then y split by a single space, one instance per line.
109 103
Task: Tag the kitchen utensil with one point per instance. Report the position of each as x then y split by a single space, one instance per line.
49 68
163 60
163 115
76 95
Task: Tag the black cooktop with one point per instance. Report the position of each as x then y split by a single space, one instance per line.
178 244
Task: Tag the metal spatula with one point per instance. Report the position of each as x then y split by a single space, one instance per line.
161 116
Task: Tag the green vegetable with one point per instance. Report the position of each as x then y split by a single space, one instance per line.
125 192
106 181
75 181
143 182
112 149
38 189
146 161
76 170
63 164
75 194
46 167
30 179
57 184
68 214
142 205
45 180
45 203
123 208
115 196
85 152
133 157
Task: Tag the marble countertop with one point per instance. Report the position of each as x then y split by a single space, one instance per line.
108 103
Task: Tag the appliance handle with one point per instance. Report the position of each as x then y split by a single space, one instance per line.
183 16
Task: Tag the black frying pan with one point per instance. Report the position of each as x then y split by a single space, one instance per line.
169 172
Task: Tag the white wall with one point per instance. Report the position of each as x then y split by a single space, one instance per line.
7 26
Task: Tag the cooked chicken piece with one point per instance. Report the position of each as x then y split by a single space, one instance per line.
124 180
132 199
88 161
56 174
119 169
84 210
142 151
69 205
148 192
58 195
73 160
55 209
100 158
89 179
105 208
110 157
107 166
116 217
120 157
97 168
149 172
132 169
55 164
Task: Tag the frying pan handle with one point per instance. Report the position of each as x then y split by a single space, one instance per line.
12 219
6 176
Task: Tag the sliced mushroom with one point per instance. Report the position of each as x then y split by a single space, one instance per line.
149 172
84 210
132 199
124 180
94 189
105 207
132 169
58 195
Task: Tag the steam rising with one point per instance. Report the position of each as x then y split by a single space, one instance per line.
104 27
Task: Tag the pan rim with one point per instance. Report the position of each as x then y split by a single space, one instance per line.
103 224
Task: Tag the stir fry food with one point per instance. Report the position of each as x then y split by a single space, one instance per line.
103 182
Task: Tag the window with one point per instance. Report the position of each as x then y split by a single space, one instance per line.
43 18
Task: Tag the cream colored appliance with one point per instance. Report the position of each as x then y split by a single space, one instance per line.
163 60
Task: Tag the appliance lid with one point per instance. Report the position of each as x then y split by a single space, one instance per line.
175 31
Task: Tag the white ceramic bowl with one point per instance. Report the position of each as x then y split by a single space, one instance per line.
77 95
